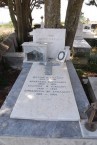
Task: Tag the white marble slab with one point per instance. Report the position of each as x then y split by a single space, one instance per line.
55 38
88 34
81 44
45 141
47 97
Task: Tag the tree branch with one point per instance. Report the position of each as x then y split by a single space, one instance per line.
92 2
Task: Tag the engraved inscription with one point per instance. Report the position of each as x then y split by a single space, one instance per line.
46 97
44 85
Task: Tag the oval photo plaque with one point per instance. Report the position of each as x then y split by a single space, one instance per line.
61 55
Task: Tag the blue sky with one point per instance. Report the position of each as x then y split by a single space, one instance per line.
89 12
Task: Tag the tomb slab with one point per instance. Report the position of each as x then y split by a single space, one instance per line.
43 93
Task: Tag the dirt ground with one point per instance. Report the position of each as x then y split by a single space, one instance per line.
4 32
7 75
7 79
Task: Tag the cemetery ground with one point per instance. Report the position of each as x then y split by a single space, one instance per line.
7 79
7 74
86 69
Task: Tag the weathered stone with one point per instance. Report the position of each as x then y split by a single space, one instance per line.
92 88
10 43
14 59
79 32
81 48
3 49
14 38
46 141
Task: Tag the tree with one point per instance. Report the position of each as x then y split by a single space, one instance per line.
72 19
20 12
19 21
52 13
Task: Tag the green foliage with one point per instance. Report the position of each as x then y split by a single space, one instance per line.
85 69
92 67
82 18
93 59
80 72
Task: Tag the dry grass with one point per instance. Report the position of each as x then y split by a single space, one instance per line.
94 50
5 30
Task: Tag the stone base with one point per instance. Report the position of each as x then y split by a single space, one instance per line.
41 141
92 88
81 48
14 59
21 132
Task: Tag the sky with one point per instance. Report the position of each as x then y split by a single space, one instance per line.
89 12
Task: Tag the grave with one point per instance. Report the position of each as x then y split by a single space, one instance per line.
43 88
43 92
80 47
88 32
46 104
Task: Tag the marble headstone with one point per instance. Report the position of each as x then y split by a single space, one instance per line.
47 95
79 32
55 38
